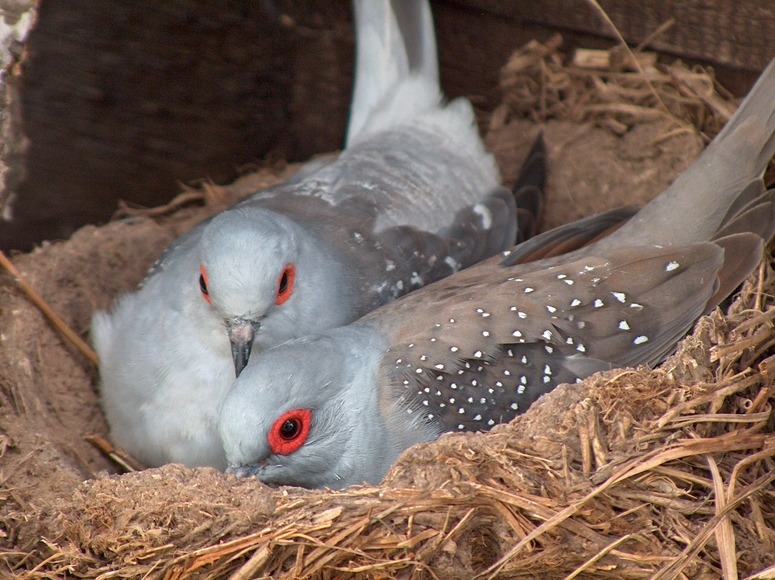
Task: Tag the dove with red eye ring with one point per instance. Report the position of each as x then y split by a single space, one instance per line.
478 347
312 454
413 197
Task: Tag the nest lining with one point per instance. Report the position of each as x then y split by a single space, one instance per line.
633 473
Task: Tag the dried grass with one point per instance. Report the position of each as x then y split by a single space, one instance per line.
538 84
635 473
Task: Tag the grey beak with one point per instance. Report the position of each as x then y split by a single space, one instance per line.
243 471
239 470
241 335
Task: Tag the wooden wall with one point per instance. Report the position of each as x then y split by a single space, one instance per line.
129 98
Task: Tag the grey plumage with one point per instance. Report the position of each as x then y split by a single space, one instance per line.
414 197
480 346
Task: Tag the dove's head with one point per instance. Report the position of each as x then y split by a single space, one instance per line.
258 272
311 413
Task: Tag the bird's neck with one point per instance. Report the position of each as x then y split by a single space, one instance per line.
380 429
403 422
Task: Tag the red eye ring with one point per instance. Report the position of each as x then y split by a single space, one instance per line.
289 432
285 284
203 283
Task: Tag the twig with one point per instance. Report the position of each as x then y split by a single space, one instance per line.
47 311
118 456
604 15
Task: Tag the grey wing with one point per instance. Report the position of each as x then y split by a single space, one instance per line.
412 258
476 232
558 242
417 257
480 353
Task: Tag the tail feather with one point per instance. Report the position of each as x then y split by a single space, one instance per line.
704 197
757 217
530 191
749 195
756 115
416 24
742 253
395 43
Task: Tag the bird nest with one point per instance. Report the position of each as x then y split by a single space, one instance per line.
633 473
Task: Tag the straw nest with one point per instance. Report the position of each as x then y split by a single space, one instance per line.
633 473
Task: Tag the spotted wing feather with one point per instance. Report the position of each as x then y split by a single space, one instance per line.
484 349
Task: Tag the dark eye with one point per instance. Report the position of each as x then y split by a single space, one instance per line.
203 283
289 431
285 284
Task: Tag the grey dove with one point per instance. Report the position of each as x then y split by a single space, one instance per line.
475 349
412 198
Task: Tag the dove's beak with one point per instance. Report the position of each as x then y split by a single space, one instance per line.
241 335
241 470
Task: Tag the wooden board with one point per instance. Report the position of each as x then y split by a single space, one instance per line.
127 100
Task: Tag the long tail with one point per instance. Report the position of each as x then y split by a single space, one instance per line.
530 191
396 66
710 193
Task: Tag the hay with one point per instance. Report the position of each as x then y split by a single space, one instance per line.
537 84
632 474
